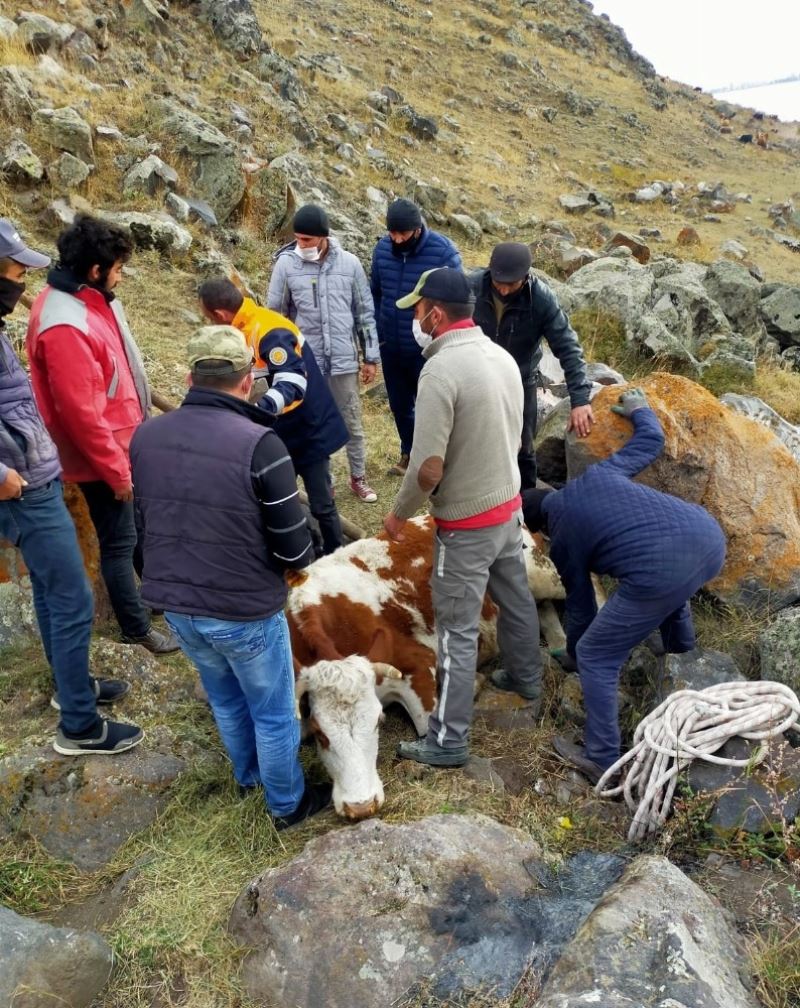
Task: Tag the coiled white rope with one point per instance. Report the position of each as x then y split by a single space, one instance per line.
689 725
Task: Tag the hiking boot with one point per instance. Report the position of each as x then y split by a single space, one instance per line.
528 691
362 489
316 798
423 751
156 642
399 468
110 738
575 756
106 691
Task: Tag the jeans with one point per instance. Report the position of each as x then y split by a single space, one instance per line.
317 481
40 525
466 564
401 373
116 532
247 673
344 389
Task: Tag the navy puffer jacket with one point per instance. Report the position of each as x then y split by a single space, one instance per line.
393 277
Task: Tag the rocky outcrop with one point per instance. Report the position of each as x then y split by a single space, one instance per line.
734 467
65 130
758 410
779 648
41 965
655 940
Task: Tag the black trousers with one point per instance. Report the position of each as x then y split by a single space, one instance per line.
526 458
317 481
116 532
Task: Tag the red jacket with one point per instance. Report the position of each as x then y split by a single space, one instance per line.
83 383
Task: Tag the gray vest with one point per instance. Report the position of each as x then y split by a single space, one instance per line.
204 548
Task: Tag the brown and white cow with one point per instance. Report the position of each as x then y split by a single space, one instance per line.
372 598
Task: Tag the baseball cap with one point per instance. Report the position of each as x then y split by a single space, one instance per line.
219 343
13 247
443 284
509 262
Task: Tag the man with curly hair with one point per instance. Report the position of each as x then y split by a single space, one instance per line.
90 385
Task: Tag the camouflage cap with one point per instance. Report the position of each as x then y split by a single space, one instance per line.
223 345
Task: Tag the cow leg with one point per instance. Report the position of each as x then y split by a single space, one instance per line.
550 626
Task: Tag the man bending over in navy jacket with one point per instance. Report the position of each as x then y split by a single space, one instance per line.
660 549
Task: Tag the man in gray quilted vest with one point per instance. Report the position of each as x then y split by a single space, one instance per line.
33 517
323 289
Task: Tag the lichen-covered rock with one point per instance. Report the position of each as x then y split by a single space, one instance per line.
780 310
68 171
739 471
154 231
16 97
20 164
656 940
65 130
460 901
698 669
758 410
235 24
148 176
779 647
41 965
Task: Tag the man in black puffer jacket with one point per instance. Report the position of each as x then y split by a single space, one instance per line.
517 311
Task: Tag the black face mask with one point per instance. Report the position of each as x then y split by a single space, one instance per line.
404 247
10 293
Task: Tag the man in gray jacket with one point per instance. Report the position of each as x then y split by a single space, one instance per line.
464 459
324 291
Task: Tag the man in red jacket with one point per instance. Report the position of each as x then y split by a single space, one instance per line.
91 388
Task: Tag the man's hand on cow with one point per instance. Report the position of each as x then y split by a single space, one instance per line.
12 486
368 372
581 419
394 527
629 402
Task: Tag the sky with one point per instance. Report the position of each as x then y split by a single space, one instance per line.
712 43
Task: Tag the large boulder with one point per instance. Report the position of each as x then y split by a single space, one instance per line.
16 97
235 24
737 469
761 412
459 903
42 965
656 940
19 164
780 310
218 175
153 231
738 294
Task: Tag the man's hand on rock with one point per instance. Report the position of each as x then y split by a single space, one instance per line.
581 419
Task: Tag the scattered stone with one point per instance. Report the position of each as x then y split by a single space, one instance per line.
639 249
430 197
41 965
42 34
734 249
65 130
781 312
688 236
424 127
735 468
68 171
154 231
20 164
602 374
779 647
466 226
698 669
738 294
270 191
481 770
16 100
235 25
109 133
759 411
148 177
574 203
648 194
655 939
756 799
8 29
146 15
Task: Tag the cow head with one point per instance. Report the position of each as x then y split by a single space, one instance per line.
345 716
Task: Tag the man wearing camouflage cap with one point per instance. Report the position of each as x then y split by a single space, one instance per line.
217 502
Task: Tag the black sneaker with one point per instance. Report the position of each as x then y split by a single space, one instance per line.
111 738
156 642
575 756
423 751
106 691
316 797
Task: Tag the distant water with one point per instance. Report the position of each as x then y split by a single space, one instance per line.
782 100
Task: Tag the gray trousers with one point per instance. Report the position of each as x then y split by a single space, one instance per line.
467 563
344 389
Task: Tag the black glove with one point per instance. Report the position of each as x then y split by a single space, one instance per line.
629 402
564 659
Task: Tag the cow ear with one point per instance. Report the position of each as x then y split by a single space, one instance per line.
380 650
318 733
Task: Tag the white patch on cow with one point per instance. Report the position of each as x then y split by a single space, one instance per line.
346 707
543 578
337 575
418 562
393 951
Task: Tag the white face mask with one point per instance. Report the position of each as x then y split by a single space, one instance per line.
423 339
310 254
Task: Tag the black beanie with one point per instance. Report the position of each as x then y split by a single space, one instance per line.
311 220
532 501
403 215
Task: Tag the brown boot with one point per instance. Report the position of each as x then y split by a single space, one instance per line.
399 468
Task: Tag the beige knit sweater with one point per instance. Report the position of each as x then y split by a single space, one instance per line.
469 415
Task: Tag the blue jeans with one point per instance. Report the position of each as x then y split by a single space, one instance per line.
247 672
40 525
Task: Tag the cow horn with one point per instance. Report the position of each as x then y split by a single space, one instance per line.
386 671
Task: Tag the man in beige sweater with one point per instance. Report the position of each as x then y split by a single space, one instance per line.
464 461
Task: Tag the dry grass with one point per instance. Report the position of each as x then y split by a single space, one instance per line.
776 965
